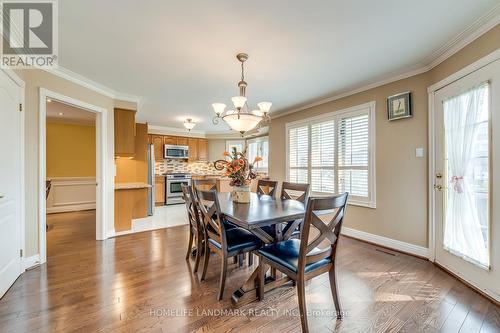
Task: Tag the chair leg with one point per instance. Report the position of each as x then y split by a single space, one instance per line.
301 294
335 291
199 251
205 262
250 258
190 243
262 279
222 276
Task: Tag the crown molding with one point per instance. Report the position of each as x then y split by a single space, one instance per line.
478 28
167 130
461 40
81 80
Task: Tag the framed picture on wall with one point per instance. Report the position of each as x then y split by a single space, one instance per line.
399 106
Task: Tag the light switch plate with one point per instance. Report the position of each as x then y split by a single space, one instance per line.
419 152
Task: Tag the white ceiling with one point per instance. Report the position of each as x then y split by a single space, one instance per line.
63 113
179 56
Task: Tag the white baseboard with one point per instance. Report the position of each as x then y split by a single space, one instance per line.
416 250
30 262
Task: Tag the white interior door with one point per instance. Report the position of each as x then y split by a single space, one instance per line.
10 182
467 186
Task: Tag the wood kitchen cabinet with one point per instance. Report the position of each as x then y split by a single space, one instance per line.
159 191
182 141
193 150
202 150
170 140
157 141
198 148
124 132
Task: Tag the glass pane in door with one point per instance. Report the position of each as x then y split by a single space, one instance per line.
466 220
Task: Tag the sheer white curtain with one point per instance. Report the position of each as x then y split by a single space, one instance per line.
462 228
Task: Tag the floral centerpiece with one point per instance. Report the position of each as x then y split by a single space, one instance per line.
240 171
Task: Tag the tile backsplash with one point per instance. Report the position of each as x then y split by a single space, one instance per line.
173 165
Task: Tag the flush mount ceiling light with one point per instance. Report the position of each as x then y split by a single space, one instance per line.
242 119
189 124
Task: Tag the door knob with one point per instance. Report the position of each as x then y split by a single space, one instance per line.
438 187
1 196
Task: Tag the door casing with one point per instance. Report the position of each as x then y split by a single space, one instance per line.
101 175
490 58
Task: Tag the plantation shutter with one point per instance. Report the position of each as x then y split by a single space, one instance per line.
298 154
335 154
323 157
353 155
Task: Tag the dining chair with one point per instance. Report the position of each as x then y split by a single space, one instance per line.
208 185
299 192
220 239
195 225
204 184
48 186
267 187
311 255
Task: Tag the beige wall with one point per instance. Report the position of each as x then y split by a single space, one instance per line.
401 178
70 150
34 79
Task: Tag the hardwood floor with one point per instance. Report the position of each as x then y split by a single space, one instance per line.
141 282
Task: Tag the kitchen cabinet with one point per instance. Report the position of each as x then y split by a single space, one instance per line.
198 148
182 141
193 150
157 141
170 140
159 191
130 204
202 150
124 123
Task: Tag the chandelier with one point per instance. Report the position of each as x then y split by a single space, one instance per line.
242 119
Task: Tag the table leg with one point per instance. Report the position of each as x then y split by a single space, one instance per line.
248 292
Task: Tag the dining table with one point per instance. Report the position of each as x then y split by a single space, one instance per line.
270 219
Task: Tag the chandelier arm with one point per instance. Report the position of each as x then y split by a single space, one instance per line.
216 120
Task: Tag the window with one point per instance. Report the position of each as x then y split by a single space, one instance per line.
259 147
335 153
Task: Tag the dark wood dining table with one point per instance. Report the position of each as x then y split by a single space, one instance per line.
262 211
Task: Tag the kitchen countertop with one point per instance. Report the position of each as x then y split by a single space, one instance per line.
131 186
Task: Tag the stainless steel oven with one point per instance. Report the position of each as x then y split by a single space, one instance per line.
179 152
174 190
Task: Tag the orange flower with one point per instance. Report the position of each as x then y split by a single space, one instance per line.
257 159
226 153
241 162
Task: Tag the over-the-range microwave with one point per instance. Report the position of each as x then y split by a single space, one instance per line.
180 152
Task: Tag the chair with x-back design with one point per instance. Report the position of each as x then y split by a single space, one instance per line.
228 242
299 192
196 232
267 187
311 255
207 184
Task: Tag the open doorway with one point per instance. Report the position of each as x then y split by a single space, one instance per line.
70 177
98 185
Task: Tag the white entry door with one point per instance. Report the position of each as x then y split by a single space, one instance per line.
467 180
10 182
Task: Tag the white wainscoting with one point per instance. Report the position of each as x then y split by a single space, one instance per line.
69 194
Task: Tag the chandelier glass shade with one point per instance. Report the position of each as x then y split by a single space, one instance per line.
189 124
242 119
